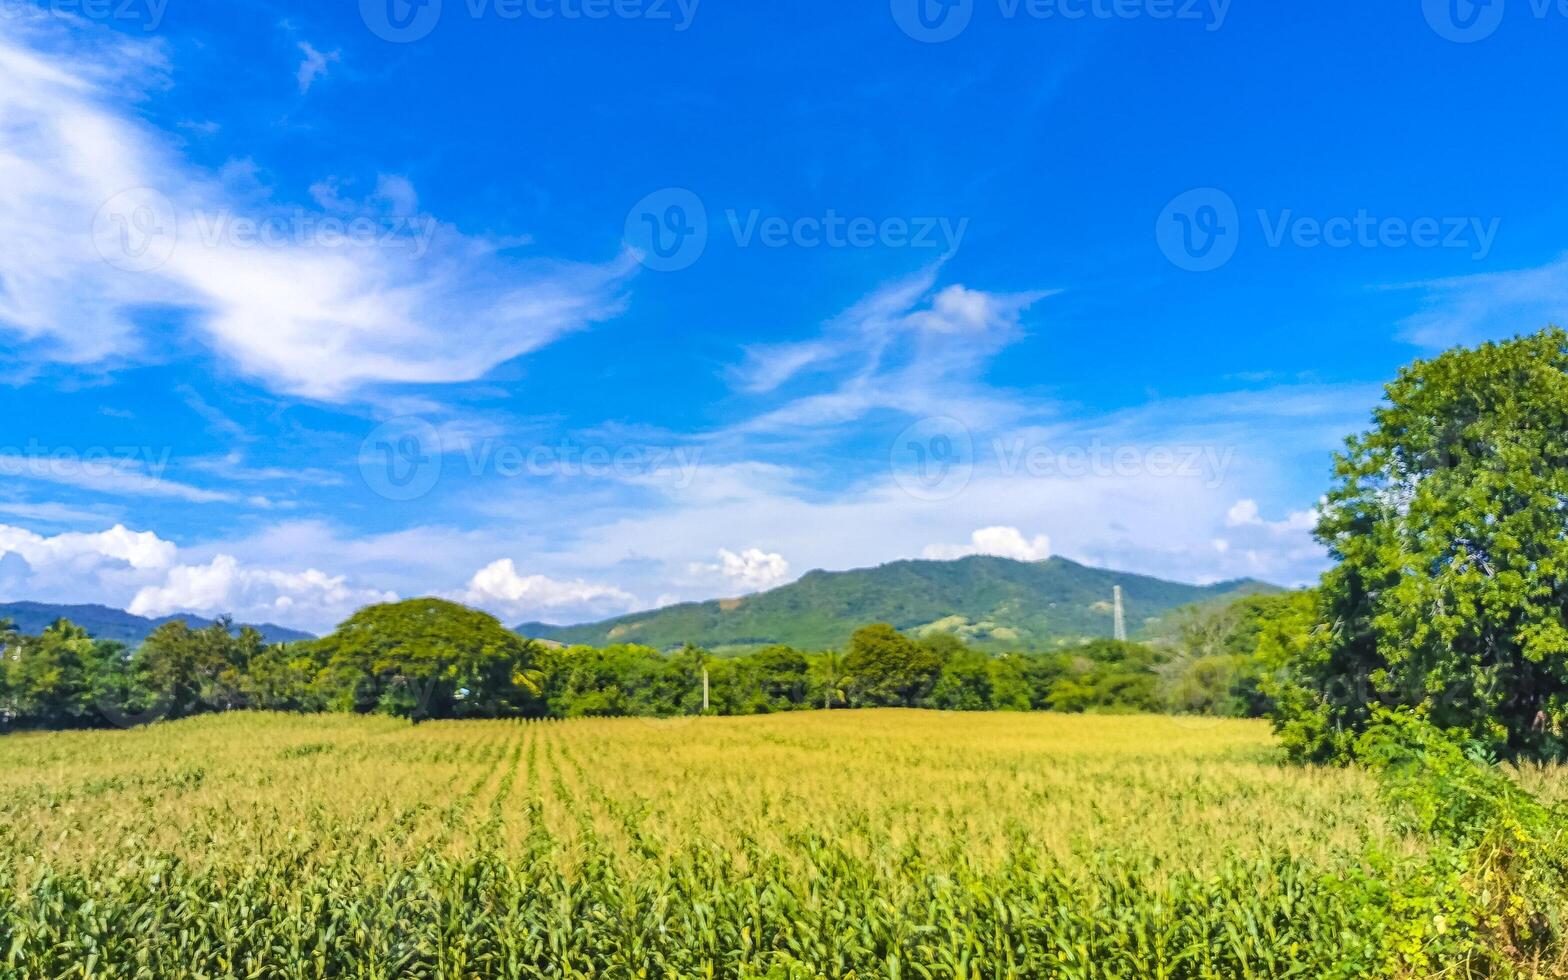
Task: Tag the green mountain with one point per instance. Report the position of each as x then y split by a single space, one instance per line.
993 603
106 623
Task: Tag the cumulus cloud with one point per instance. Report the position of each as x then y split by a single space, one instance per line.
224 585
1002 542
753 569
138 549
103 219
144 573
1245 513
499 587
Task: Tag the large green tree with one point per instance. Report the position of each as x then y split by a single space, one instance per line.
429 658
1448 521
888 669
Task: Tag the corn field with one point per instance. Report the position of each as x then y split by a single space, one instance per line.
842 844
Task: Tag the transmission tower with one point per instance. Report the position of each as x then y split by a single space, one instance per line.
1120 620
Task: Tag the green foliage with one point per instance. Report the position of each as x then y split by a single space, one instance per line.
58 678
429 658
199 670
1106 675
1511 851
888 669
1448 524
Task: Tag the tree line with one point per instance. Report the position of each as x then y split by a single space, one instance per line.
429 659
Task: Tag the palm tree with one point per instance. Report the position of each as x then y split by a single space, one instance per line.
828 671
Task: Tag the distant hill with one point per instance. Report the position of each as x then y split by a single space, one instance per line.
992 603
117 624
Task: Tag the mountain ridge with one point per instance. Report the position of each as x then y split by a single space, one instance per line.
993 603
109 623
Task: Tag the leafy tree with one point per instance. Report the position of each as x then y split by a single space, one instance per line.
965 684
1107 675
289 677
889 669
196 671
62 678
1011 689
1216 669
782 676
429 658
1448 521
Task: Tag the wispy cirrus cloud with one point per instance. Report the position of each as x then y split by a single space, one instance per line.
106 222
908 347
1488 306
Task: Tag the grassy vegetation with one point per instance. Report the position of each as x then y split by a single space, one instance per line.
884 843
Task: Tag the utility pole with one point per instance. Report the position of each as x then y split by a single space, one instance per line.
704 689
1121 619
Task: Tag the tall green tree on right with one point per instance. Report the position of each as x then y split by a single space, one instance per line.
1448 522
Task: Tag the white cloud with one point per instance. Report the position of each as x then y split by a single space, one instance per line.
144 573
313 66
224 585
1002 542
88 193
753 569
142 550
1243 512
908 348
500 588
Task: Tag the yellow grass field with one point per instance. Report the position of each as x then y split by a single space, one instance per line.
884 843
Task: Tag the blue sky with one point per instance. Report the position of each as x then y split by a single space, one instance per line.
566 308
